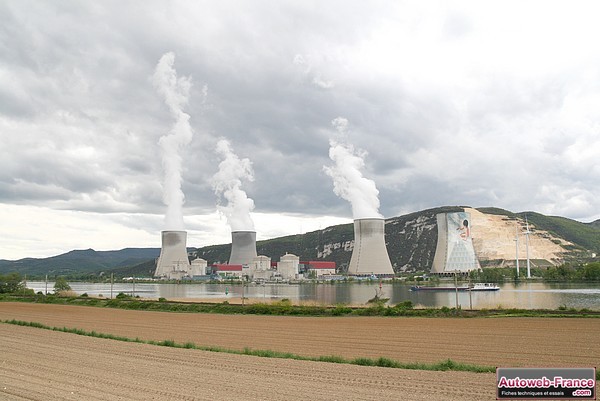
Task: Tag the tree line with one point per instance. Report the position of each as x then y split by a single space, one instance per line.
13 283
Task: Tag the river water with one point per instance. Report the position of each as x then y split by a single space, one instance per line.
534 295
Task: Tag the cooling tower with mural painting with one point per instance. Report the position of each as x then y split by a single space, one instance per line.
454 251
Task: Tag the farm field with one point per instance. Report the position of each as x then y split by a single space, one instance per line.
484 341
41 364
46 365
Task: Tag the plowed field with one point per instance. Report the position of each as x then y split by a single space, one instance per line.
44 365
39 364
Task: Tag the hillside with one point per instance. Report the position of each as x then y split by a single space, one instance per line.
410 239
582 235
585 236
80 261
144 269
494 240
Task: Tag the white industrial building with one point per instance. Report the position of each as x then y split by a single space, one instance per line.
287 266
260 268
198 267
228 271
320 269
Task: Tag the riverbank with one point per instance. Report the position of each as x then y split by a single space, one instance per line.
287 308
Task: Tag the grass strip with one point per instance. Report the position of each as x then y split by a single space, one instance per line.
285 308
380 362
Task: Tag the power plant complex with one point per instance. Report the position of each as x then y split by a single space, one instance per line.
454 254
369 258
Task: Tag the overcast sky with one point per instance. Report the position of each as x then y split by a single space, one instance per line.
482 103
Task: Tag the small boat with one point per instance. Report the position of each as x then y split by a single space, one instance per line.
475 287
485 287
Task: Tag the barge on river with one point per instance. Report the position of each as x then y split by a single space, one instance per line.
475 287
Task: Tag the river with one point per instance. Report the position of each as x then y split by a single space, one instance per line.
527 295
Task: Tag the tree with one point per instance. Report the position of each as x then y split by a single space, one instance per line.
10 283
591 271
61 285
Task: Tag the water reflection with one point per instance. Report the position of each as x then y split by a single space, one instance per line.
521 295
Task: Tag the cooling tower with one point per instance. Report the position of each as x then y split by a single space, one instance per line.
370 255
454 251
173 254
243 247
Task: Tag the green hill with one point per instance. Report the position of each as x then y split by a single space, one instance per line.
80 261
586 236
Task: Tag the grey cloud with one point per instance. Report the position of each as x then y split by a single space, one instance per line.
81 73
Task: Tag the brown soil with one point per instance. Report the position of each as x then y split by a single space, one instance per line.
39 359
44 365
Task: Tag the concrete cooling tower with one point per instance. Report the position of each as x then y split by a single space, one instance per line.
454 252
243 247
173 254
370 255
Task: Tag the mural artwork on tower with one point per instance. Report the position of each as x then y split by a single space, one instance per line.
454 251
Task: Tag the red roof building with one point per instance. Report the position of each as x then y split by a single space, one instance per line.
313 264
227 268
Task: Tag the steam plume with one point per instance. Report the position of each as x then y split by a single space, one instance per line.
348 181
227 182
175 92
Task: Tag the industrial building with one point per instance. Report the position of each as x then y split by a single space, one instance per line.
228 271
287 267
370 256
319 270
260 269
198 267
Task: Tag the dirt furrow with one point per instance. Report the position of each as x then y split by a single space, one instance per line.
491 342
72 367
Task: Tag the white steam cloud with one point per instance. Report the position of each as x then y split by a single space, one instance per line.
176 93
227 182
348 181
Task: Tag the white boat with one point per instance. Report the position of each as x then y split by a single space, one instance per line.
484 287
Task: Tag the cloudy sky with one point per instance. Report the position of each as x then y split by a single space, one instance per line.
482 103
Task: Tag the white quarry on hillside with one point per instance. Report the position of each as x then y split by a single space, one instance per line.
494 239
